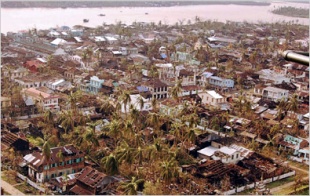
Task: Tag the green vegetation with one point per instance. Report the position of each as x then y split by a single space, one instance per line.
292 12
280 182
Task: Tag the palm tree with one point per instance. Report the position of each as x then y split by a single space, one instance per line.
281 107
114 129
110 164
169 170
132 187
106 106
74 99
177 90
293 103
125 99
124 153
66 120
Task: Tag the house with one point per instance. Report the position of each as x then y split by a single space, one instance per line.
170 107
64 160
224 154
58 41
293 144
221 83
46 99
95 84
212 98
92 182
127 51
270 75
181 56
158 89
204 78
108 86
274 94
14 72
188 77
33 80
269 114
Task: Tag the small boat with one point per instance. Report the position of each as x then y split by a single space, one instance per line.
101 14
85 20
146 13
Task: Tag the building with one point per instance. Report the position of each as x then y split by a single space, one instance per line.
64 160
274 94
92 182
274 77
221 82
293 144
158 89
95 84
212 98
224 154
43 96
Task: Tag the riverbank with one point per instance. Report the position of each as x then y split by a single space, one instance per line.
98 4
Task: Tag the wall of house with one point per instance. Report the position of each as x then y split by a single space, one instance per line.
234 158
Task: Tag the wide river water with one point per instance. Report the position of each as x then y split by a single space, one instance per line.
15 19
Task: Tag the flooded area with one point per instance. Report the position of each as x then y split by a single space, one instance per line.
15 19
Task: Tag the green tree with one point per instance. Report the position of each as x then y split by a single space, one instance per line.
132 187
110 164
169 170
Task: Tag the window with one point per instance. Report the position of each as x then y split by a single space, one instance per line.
46 167
53 165
232 156
237 155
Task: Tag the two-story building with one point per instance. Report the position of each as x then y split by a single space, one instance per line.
274 94
95 84
63 160
158 89
221 83
43 96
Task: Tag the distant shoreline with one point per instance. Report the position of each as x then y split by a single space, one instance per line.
97 4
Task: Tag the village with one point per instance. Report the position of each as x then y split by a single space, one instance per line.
198 107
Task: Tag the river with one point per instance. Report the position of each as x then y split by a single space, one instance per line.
15 19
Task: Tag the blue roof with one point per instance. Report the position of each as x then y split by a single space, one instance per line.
142 89
163 55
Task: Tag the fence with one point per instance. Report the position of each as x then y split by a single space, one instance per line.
31 183
250 186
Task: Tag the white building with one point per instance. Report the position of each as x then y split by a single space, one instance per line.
212 98
225 154
275 94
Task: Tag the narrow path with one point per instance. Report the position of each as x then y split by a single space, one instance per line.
299 169
278 188
10 189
